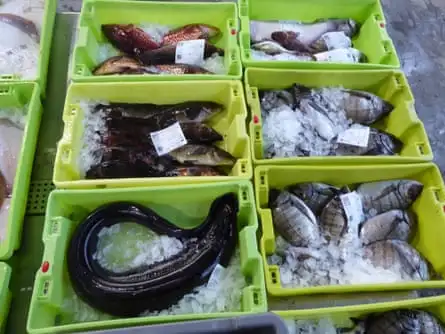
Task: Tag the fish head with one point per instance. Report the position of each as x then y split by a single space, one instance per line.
209 31
410 189
118 35
349 27
274 196
209 109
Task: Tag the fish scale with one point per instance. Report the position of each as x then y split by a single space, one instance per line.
333 219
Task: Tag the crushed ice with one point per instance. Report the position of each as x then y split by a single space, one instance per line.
19 54
321 326
93 123
291 132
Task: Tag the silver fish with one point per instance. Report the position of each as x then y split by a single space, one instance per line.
203 155
394 224
315 195
343 55
404 322
293 220
271 48
272 99
399 256
331 40
307 33
382 196
360 107
333 220
379 143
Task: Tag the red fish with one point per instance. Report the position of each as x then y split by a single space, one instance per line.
129 38
190 32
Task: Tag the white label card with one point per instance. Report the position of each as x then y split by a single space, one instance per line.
168 139
343 55
216 276
353 206
358 136
190 52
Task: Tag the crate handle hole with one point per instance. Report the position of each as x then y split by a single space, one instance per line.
65 155
243 168
244 195
421 148
262 180
253 94
231 23
256 298
274 276
257 135
101 186
79 69
247 54
235 93
5 91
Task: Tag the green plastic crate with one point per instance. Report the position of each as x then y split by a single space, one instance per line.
45 47
175 203
373 39
429 208
5 294
17 95
230 123
390 85
98 12
341 316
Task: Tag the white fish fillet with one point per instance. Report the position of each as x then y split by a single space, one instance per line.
10 146
4 214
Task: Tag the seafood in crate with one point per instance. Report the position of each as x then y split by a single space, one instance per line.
21 23
159 50
177 253
323 40
322 117
315 35
333 229
332 121
129 142
156 41
143 135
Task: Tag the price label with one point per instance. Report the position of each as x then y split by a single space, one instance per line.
353 206
357 136
190 52
168 139
216 276
336 40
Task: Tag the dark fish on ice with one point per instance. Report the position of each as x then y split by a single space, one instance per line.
293 219
306 33
159 285
167 54
194 171
404 321
190 32
129 38
379 143
177 69
204 155
382 196
315 195
120 65
400 257
271 99
184 112
26 26
333 219
199 133
289 40
361 107
394 224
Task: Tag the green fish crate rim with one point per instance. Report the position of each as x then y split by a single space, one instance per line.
391 85
229 93
373 39
14 94
5 294
429 208
340 313
49 284
46 34
137 12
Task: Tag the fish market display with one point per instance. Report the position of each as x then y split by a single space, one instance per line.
123 140
323 41
402 321
150 282
12 122
156 50
331 121
21 23
326 235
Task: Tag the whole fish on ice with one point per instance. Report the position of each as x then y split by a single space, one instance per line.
399 256
129 38
120 65
403 321
293 220
204 155
306 33
190 32
382 196
333 219
394 224
315 195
